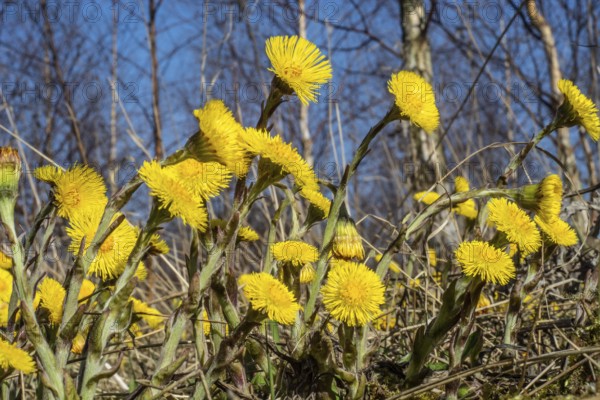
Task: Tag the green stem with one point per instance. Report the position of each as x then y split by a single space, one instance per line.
517 159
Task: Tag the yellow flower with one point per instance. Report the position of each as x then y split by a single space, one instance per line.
266 294
557 230
577 109
283 155
48 174
52 296
461 184
295 252
86 290
205 323
307 273
152 316
347 243
78 343
247 234
174 196
353 294
76 190
6 284
13 357
415 99
466 208
299 64
549 195
426 197
205 180
485 261
515 224
113 253
6 261
158 245
218 138
432 257
317 199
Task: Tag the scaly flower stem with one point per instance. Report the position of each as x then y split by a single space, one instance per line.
338 199
34 333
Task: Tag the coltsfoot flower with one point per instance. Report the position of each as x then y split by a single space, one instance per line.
557 230
295 252
515 224
299 64
269 296
577 109
13 357
178 199
77 190
415 99
353 293
485 261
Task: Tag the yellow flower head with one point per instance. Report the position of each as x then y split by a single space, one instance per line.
353 294
218 138
557 230
86 290
461 184
13 357
299 64
6 283
269 296
295 252
515 224
173 195
393 266
76 190
158 245
577 109
245 233
466 209
432 257
48 174
384 322
426 197
307 273
152 316
6 261
78 343
415 99
52 296
317 199
283 155
347 243
113 253
205 180
485 261
205 323
549 195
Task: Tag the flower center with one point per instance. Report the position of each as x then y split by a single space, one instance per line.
353 293
108 245
71 197
292 71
